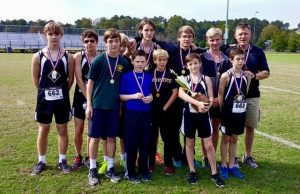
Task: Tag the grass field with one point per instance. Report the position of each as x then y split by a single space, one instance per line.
279 165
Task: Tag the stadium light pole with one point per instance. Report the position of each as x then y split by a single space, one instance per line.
254 28
226 26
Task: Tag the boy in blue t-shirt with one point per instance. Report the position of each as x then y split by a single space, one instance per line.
135 90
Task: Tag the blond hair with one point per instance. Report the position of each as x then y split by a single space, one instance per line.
124 39
160 52
214 31
53 27
187 29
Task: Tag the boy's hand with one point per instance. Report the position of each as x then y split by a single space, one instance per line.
147 99
89 112
138 95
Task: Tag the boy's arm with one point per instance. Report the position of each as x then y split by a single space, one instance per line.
89 90
70 70
202 106
222 84
171 99
35 69
126 97
209 90
78 73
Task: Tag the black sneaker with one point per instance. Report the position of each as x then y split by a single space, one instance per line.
205 163
113 177
64 167
93 177
218 180
86 162
134 180
193 178
77 162
38 168
250 161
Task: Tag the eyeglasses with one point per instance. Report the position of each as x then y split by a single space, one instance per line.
87 41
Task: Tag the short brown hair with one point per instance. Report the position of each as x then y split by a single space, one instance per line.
243 25
138 53
187 29
53 27
111 33
236 50
192 56
89 34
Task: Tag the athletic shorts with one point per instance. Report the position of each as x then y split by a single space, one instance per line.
79 106
104 124
197 121
215 113
46 109
252 113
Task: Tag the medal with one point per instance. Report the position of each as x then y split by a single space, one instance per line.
112 73
147 67
239 95
54 75
140 85
181 60
157 88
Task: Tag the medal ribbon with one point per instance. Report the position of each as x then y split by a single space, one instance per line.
138 83
194 87
238 88
247 55
149 54
181 60
160 83
88 59
109 66
57 59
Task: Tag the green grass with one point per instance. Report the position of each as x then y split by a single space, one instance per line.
279 170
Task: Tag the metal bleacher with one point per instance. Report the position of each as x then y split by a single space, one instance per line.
19 40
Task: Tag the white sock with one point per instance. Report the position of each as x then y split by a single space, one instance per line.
105 158
122 156
42 158
62 157
110 163
93 163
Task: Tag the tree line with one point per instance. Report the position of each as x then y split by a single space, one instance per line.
275 34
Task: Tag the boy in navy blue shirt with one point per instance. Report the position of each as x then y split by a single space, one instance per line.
135 90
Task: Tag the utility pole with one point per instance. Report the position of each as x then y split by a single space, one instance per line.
226 26
254 28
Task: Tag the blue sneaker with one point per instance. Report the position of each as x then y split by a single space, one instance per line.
177 163
236 173
223 172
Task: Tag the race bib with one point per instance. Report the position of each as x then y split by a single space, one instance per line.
239 106
54 93
192 110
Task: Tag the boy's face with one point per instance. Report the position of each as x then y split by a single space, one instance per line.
123 48
185 39
214 42
139 63
238 61
89 43
148 32
53 38
194 66
161 62
113 45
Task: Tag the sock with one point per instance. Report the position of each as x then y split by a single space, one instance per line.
110 163
122 156
105 158
62 157
42 158
93 163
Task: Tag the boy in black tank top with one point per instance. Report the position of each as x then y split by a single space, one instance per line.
52 71
83 60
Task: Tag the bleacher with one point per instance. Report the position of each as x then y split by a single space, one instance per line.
18 40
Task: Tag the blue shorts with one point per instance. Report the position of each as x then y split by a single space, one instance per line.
104 124
199 122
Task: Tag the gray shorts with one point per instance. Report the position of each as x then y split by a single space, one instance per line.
253 112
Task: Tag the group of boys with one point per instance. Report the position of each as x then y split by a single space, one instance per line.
149 101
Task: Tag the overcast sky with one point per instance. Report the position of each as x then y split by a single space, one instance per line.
67 11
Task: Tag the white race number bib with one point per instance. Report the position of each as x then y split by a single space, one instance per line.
54 93
239 106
